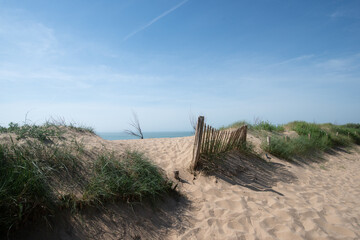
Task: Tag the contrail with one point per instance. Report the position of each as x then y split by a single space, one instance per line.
154 20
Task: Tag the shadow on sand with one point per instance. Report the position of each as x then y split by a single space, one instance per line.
114 221
318 156
251 171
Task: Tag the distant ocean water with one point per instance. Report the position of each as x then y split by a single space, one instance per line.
124 136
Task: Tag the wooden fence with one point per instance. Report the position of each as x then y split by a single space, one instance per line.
211 141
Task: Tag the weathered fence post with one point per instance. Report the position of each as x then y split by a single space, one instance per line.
197 143
268 140
243 134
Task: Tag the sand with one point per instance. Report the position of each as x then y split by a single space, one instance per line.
274 200
247 198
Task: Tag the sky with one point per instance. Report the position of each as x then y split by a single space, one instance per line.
95 62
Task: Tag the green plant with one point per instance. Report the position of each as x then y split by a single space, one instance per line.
352 125
82 128
267 126
43 133
300 146
28 172
131 178
237 124
312 138
345 134
38 178
279 147
24 191
304 128
46 132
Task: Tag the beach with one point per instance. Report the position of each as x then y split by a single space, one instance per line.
248 197
284 201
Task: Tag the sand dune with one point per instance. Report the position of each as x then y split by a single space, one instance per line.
275 200
246 198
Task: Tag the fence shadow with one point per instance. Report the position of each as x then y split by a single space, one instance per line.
251 171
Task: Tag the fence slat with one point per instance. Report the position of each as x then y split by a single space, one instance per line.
212 140
217 143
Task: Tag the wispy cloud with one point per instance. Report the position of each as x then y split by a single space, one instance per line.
154 20
292 60
349 63
345 13
337 14
24 37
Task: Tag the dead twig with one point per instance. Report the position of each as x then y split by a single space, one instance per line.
136 125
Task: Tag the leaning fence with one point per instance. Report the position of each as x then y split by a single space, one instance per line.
211 141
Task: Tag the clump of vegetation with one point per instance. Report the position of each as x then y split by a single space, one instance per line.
312 138
267 126
25 171
352 125
43 133
300 146
23 188
81 128
237 124
39 177
46 132
304 128
131 178
346 133
258 125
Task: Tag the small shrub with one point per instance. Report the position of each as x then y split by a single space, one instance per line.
267 126
132 178
304 128
261 125
300 146
346 134
322 138
43 133
279 147
238 124
353 125
82 128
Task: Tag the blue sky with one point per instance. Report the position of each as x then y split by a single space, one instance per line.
94 62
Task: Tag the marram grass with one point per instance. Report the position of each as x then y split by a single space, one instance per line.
30 168
313 138
131 178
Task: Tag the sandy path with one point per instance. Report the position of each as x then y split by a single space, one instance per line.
284 201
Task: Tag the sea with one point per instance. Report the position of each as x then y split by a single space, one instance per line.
125 136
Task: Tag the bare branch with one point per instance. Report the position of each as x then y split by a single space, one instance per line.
193 121
136 125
